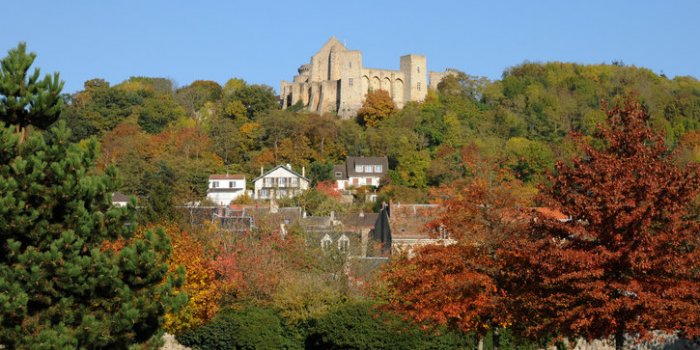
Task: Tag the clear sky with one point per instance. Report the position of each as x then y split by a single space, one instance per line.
265 41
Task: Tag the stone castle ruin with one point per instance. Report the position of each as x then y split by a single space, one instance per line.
336 81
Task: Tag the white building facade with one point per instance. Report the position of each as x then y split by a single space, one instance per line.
225 188
280 182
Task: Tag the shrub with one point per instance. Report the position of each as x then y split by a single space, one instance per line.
359 326
249 328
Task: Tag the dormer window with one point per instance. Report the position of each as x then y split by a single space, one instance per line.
359 169
377 168
338 174
326 242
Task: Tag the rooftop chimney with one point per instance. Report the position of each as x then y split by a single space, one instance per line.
303 171
261 171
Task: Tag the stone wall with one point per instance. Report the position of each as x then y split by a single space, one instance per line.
335 81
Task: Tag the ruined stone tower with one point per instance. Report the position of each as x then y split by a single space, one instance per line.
335 81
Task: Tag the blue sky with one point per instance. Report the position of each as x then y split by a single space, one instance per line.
266 41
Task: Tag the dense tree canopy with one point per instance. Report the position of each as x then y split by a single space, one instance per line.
627 260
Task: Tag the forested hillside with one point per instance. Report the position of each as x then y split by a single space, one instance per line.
161 137
564 206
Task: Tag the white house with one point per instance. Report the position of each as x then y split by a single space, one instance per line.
361 171
119 199
280 182
224 188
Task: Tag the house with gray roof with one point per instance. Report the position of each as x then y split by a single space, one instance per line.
361 171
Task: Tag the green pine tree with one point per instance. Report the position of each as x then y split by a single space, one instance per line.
24 99
72 274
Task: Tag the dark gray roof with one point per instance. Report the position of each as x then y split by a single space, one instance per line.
317 223
340 169
350 163
119 197
357 220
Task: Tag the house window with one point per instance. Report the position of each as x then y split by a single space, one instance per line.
418 86
283 193
359 169
268 182
326 242
368 181
294 182
282 182
343 243
350 81
215 184
231 184
377 168
338 174
264 194
355 181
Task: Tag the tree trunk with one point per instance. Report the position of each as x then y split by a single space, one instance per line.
496 338
619 339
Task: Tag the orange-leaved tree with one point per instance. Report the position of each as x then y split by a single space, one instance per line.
628 260
455 285
378 106
202 285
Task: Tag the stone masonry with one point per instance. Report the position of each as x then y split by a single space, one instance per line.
335 81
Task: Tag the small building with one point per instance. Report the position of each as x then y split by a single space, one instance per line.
225 188
120 200
280 182
363 224
361 171
403 227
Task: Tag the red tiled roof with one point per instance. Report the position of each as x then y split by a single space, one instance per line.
551 214
410 220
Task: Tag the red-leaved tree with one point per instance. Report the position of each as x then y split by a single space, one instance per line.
628 261
455 285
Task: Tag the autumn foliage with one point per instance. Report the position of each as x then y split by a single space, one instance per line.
253 265
627 262
378 106
201 285
455 285
446 286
